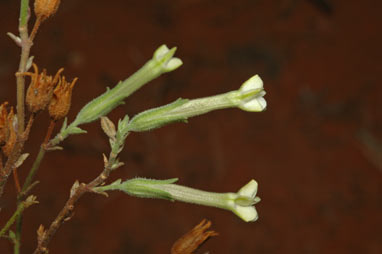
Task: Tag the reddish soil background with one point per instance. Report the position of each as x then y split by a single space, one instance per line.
315 152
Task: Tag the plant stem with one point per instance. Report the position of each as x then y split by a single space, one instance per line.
49 132
26 44
19 210
24 6
16 180
33 171
19 224
27 183
20 81
25 49
67 211
35 28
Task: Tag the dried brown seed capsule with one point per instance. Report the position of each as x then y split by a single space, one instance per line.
189 242
11 140
4 131
60 104
40 90
45 8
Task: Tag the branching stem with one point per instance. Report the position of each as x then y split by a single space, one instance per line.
10 222
67 211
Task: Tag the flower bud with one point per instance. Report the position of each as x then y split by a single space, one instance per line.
163 61
60 104
45 8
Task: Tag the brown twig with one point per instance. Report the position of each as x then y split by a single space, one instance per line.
15 154
25 137
49 132
16 180
65 214
35 28
10 164
1 163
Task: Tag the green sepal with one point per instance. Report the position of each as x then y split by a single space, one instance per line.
11 235
100 106
140 187
157 117
75 130
122 130
64 124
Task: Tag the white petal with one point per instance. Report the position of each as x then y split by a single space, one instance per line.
161 51
246 213
173 64
255 105
253 83
249 190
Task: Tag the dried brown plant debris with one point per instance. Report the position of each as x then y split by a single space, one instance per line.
60 104
40 90
9 131
191 241
45 8
4 131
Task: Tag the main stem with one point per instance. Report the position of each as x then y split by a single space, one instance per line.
20 86
20 80
25 49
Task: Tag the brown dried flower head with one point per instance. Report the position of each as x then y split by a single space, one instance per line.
12 136
45 8
40 90
60 104
191 241
4 131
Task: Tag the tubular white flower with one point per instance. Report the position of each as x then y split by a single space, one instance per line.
249 98
244 203
241 203
253 92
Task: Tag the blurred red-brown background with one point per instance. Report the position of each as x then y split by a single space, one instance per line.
315 152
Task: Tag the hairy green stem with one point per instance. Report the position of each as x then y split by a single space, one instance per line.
27 183
25 49
23 20
33 171
19 210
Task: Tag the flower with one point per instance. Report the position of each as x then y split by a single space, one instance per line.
241 203
244 201
60 104
249 97
164 57
252 95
